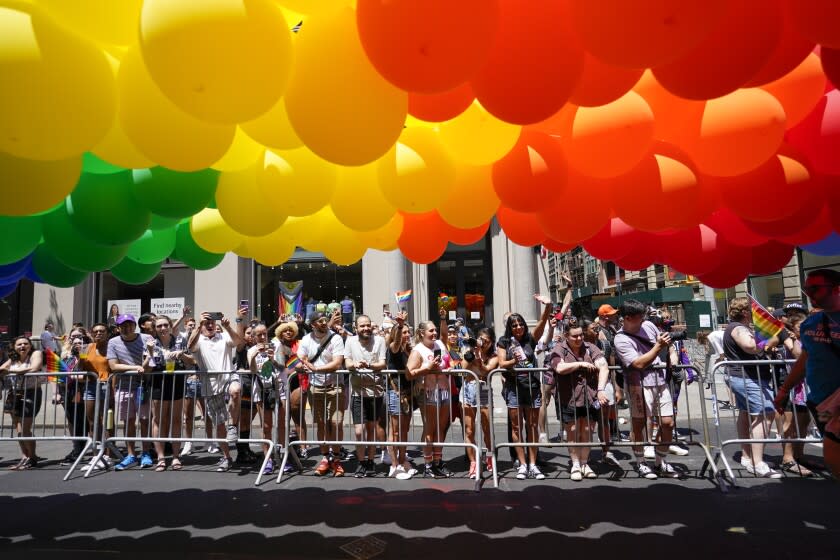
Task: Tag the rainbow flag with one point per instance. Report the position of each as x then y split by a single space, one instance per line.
53 364
766 326
292 361
403 296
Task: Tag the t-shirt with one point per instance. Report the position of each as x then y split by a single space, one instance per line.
347 306
629 347
822 370
309 347
215 354
48 341
269 373
366 381
566 383
129 353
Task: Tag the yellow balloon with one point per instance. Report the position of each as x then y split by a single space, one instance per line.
159 129
348 114
357 202
269 250
223 61
471 201
28 186
242 153
338 243
417 172
273 129
384 238
476 137
57 91
212 234
105 21
316 6
301 181
245 205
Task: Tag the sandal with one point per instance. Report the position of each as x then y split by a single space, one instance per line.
176 464
161 466
795 468
19 464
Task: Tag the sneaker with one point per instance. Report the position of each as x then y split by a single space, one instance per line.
245 457
543 438
665 470
650 452
127 462
102 465
361 470
442 471
223 465
409 469
489 461
370 468
213 449
392 470
763 470
323 467
646 472
535 473
610 459
269 467
522 472
232 435
587 471
146 461
386 457
472 474
677 450
337 469
345 454
69 459
576 473
303 452
186 450
428 471
403 473
746 462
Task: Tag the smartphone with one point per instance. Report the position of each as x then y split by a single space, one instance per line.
216 315
244 303
436 352
386 310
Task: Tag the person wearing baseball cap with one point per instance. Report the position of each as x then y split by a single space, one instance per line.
608 321
607 310
795 307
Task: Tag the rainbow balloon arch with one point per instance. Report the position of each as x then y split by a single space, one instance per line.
701 135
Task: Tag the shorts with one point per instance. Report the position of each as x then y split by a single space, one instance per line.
168 386
472 390
400 404
128 404
523 399
89 393
751 395
435 395
649 402
23 403
324 402
570 413
367 409
216 408
193 389
812 406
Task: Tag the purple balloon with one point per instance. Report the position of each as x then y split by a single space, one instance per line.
8 289
12 272
826 247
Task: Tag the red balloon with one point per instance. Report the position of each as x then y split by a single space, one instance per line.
601 83
818 136
735 263
811 232
615 240
534 64
520 227
692 251
644 253
791 49
556 246
424 237
563 222
816 19
830 59
770 257
467 236
736 49
831 191
790 225
531 175
439 107
430 46
728 225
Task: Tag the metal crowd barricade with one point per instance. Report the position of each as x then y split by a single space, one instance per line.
33 400
686 421
722 441
132 400
390 380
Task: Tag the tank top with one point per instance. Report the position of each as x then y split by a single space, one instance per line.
432 380
96 362
397 361
734 352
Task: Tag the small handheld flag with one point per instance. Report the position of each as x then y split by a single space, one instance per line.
53 364
402 297
766 326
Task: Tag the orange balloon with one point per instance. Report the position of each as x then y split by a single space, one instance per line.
430 46
534 64
469 236
673 116
556 246
817 20
560 222
601 83
423 237
439 107
738 132
471 201
791 49
607 141
800 90
643 33
532 174
521 227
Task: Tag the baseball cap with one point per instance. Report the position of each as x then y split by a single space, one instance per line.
794 306
607 309
126 317
459 320
317 316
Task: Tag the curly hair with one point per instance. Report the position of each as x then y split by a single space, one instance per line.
739 308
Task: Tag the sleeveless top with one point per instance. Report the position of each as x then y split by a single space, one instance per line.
432 380
734 352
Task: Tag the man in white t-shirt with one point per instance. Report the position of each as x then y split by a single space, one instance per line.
321 353
48 338
364 356
213 353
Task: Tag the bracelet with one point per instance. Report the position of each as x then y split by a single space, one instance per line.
238 320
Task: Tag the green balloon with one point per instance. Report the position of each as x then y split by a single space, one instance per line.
103 209
175 194
133 272
52 271
159 222
93 164
190 253
153 246
73 249
20 235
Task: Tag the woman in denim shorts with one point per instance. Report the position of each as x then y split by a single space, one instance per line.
475 393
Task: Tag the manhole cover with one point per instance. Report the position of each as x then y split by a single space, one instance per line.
364 548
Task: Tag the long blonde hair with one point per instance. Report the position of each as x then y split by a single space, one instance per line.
421 329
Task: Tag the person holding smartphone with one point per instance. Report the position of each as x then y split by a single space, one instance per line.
428 360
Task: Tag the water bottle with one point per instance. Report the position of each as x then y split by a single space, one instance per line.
109 420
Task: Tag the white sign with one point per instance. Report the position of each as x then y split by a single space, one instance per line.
452 315
705 321
172 307
124 307
475 315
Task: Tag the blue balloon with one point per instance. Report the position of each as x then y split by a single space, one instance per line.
11 273
827 247
7 289
30 273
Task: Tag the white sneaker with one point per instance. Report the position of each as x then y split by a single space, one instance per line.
103 464
409 468
522 472
746 462
576 473
213 449
666 470
187 449
650 452
535 472
610 458
386 457
587 471
645 471
232 435
392 470
677 450
763 470
405 472
543 438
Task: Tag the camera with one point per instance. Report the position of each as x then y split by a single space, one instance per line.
675 335
469 355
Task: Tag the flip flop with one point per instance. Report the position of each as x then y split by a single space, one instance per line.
161 466
176 465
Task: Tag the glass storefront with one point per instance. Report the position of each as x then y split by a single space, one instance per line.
16 313
461 282
306 278
174 281
768 290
